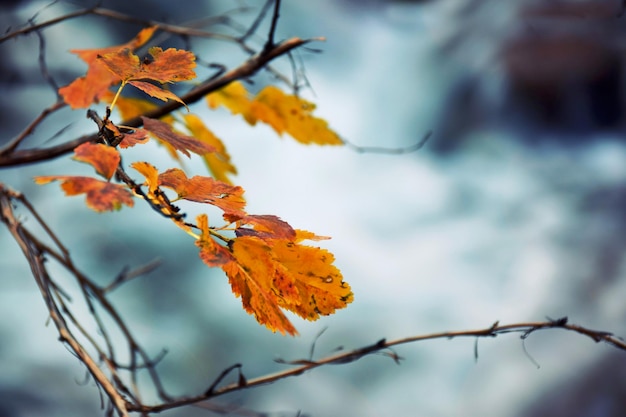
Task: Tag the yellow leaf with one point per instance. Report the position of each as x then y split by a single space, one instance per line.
218 161
235 98
283 112
320 286
297 115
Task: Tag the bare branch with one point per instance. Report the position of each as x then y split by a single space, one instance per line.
390 151
11 146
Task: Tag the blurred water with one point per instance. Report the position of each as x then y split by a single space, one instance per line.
489 222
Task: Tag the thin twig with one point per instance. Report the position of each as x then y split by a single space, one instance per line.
390 151
11 146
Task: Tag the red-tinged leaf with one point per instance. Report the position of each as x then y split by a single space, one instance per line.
167 66
182 143
122 62
103 158
84 91
101 195
250 276
204 190
211 252
172 65
218 162
265 226
156 92
137 136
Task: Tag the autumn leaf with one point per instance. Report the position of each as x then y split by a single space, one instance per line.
297 115
103 158
320 286
182 143
274 274
211 252
101 195
137 136
283 112
217 161
204 190
84 91
265 226
150 173
168 66
251 275
235 98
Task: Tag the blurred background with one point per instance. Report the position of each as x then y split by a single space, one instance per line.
513 211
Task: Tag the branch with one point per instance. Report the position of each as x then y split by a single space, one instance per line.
390 151
112 14
384 347
245 70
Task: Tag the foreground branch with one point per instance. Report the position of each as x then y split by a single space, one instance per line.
383 347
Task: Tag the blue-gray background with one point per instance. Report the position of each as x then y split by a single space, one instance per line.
514 211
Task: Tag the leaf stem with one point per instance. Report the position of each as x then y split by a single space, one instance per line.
119 90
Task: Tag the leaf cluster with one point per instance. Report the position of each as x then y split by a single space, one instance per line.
267 264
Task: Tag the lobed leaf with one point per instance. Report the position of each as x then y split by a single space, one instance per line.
211 252
297 115
204 190
218 161
283 112
100 195
90 88
168 66
105 159
265 226
250 276
182 143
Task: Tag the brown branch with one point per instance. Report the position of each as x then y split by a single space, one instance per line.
10 147
35 252
383 346
245 70
112 14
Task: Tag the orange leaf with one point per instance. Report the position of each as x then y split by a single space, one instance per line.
211 253
320 286
274 274
156 92
136 137
84 91
218 161
265 226
180 142
250 276
168 66
204 190
103 158
101 195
